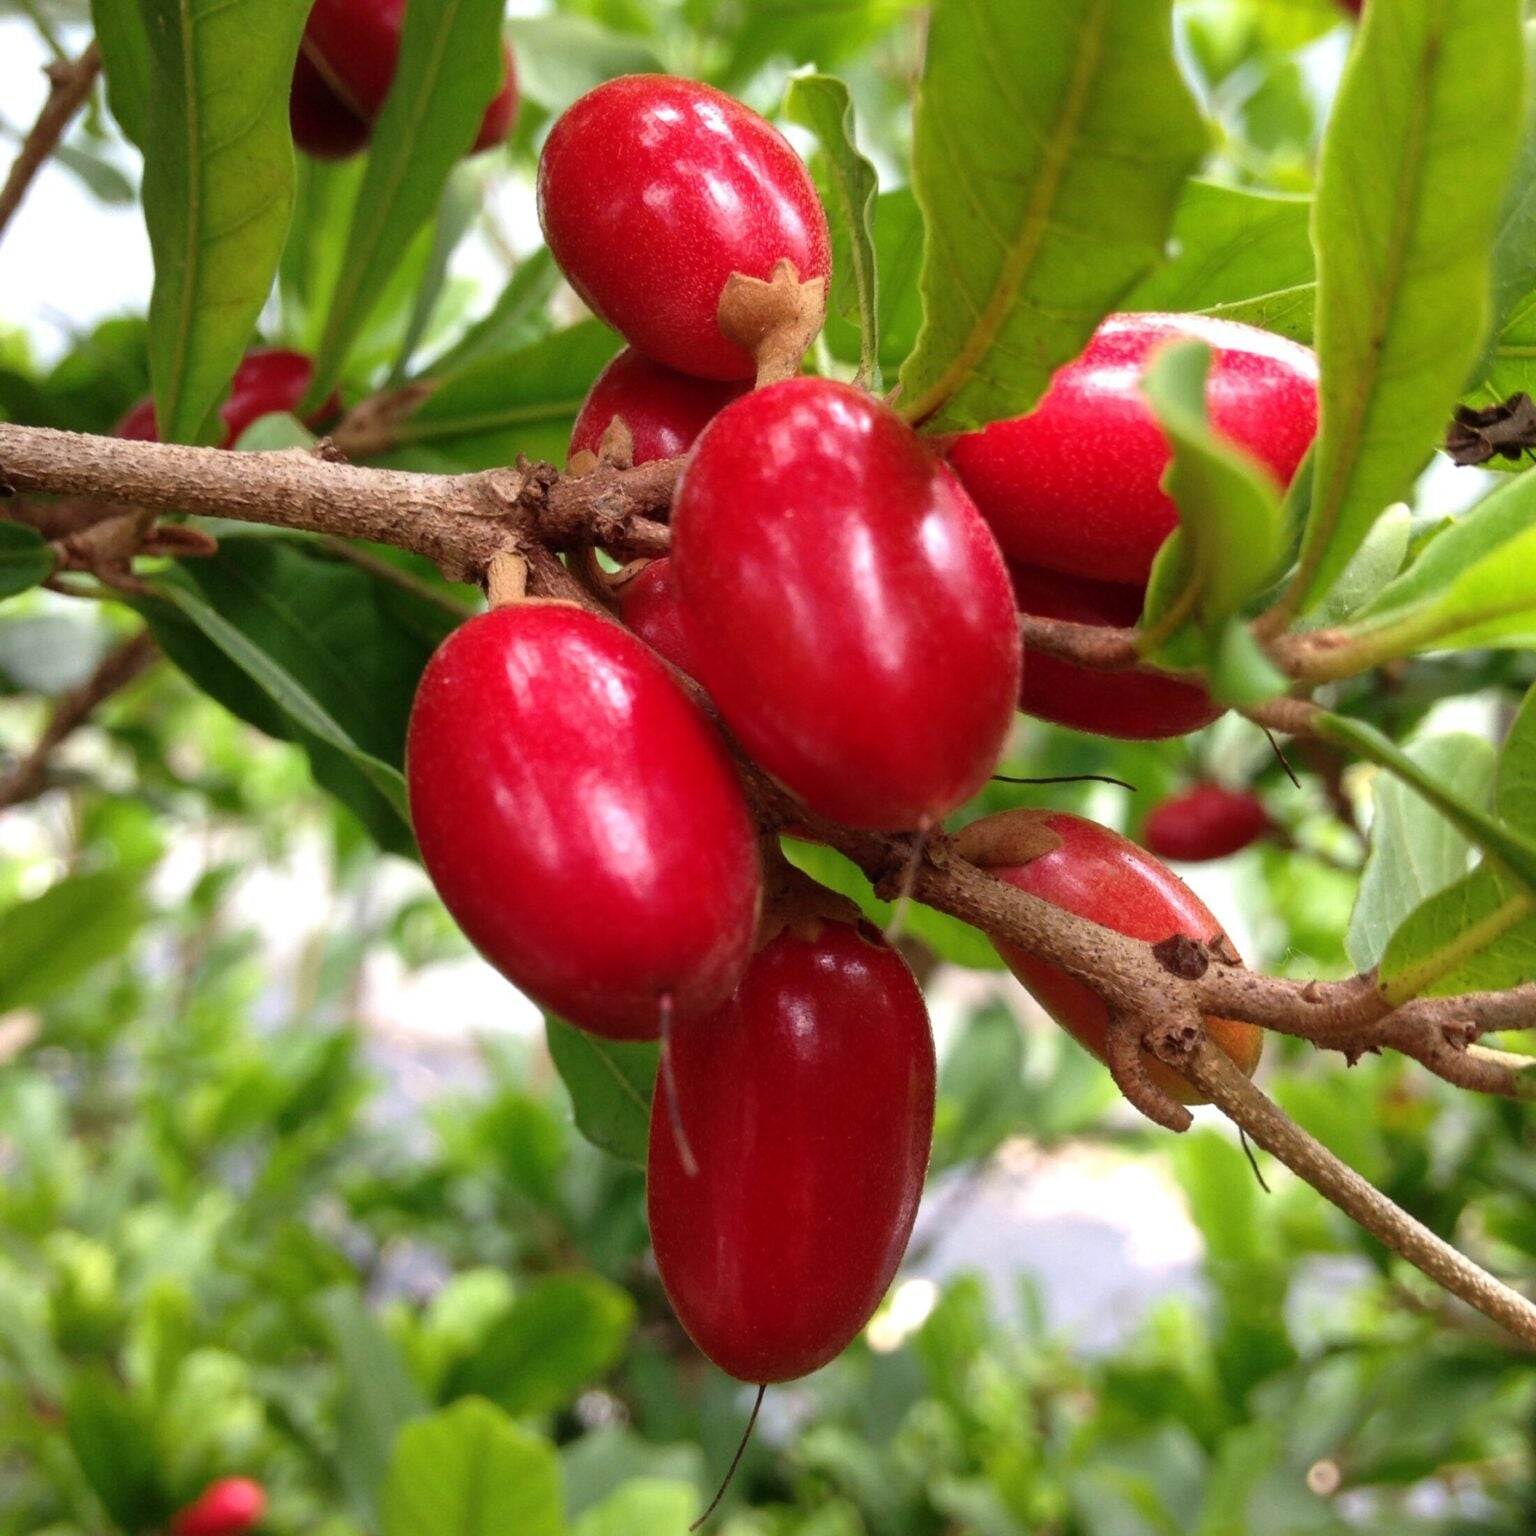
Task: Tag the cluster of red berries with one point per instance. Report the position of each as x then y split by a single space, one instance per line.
837 590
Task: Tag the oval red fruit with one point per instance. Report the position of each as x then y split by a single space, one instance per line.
1091 871
807 1101
581 820
845 605
1205 822
652 191
648 605
267 380
228 1507
1076 484
664 410
1135 706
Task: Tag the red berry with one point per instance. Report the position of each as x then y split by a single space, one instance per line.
265 381
1076 485
807 1101
224 1508
845 605
581 820
1097 874
652 191
648 605
346 66
1131 705
1206 822
663 409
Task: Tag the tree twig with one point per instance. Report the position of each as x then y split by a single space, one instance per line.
71 83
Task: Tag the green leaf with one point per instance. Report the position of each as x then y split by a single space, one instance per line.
1048 159
898 225
1370 570
218 189
112 1437
509 403
25 559
378 1397
1413 171
49 942
822 104
450 68
562 57
1234 250
1415 852
124 65
647 1506
610 1083
560 1335
516 320
1231 534
460 205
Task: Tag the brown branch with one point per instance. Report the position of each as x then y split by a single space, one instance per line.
1221 1082
71 83
29 777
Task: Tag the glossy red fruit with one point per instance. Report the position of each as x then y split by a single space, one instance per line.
652 191
346 65
266 381
227 1507
845 605
1206 822
1094 872
1130 705
664 410
808 1104
581 820
1075 485
648 605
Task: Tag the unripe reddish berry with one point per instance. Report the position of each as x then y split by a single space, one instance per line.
845 605
581 820
648 605
267 380
1097 874
1205 822
653 191
663 409
807 1101
1076 484
345 68
1132 705
228 1507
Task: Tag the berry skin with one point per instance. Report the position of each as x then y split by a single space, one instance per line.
664 410
652 191
648 605
345 68
266 381
1097 874
807 1100
1130 705
581 820
1075 485
845 605
1206 822
228 1507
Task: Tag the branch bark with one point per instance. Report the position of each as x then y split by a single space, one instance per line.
71 84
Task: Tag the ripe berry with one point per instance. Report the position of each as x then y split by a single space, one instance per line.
1097 874
652 191
345 68
845 605
227 1507
581 820
1206 822
648 605
808 1103
663 409
265 381
1133 705
1076 484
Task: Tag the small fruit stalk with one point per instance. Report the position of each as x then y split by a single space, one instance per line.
808 1099
1206 821
229 1507
1095 873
